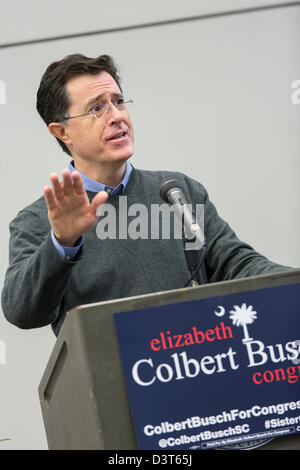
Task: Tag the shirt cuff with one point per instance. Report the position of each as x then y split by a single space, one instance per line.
66 252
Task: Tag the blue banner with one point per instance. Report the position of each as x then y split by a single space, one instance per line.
222 371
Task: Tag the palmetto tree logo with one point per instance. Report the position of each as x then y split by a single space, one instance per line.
243 316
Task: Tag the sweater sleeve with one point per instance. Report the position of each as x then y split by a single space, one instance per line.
37 276
228 257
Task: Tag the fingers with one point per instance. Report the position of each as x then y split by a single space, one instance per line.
57 188
50 201
78 183
70 183
97 202
67 182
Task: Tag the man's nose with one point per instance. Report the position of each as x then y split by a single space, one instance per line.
114 114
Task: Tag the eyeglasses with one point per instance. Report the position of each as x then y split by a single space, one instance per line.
100 109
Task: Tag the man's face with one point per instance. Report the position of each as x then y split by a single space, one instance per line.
106 140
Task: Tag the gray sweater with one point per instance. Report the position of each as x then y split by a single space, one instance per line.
40 286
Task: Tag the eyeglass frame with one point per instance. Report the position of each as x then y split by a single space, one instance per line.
106 106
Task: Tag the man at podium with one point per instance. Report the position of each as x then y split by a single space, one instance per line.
62 254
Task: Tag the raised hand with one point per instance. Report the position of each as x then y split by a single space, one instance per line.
69 210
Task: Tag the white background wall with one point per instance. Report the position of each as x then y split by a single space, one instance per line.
212 99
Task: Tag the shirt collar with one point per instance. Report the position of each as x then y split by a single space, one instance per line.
96 187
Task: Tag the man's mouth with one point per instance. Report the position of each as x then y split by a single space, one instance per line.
117 137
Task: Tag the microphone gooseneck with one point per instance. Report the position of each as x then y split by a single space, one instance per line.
194 242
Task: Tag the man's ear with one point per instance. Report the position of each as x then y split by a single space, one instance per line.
59 130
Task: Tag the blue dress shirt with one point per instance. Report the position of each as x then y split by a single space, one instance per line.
69 252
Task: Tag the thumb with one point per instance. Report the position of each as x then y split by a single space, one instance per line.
97 202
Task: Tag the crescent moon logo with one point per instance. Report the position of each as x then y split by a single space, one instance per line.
221 312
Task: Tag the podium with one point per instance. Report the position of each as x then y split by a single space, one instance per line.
82 392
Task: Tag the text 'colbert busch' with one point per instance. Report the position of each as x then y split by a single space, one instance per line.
180 366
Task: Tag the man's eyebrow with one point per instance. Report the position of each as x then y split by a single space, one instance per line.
99 97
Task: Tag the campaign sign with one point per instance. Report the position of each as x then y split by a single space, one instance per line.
222 371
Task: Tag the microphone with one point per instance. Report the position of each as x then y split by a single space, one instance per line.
172 192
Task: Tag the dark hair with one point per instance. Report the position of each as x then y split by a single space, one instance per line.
52 100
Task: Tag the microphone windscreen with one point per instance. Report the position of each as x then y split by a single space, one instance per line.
166 186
